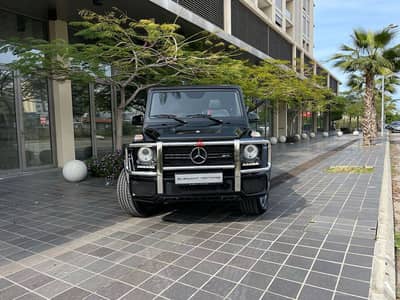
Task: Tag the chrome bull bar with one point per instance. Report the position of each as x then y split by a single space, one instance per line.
159 168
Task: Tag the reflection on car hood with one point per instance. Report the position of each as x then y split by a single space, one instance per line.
190 132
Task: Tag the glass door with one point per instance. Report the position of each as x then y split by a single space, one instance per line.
9 158
25 135
35 121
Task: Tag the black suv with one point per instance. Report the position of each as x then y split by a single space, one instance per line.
196 145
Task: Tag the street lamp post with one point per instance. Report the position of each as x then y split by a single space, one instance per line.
383 105
390 26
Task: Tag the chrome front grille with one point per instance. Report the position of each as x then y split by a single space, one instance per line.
181 156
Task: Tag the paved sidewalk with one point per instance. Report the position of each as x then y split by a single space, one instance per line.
71 241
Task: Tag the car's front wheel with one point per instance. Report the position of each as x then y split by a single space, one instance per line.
128 203
255 205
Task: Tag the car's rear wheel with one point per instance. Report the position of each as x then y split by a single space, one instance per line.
255 205
129 203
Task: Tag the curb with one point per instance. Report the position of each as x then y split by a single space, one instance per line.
383 278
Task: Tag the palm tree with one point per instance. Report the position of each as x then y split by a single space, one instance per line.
369 55
357 87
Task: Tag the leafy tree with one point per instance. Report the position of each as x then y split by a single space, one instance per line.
271 80
369 55
121 52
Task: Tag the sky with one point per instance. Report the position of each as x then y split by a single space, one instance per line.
335 20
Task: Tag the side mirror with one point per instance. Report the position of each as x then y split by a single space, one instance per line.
253 117
137 120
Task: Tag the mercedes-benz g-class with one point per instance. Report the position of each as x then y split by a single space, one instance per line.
196 145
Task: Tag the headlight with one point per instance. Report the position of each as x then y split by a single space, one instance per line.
145 155
250 152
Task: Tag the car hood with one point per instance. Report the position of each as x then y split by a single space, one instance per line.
189 132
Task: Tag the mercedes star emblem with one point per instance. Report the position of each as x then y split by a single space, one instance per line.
198 155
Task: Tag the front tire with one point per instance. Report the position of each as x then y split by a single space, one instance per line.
255 205
127 202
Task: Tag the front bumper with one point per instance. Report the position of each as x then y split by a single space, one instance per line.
159 185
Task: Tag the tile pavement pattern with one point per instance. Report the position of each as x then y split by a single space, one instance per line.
71 241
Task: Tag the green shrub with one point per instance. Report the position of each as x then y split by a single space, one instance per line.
110 164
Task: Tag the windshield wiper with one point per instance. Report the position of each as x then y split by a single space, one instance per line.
170 116
205 116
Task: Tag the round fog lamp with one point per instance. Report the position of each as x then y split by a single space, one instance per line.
250 152
145 155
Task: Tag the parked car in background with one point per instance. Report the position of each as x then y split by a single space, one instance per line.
395 126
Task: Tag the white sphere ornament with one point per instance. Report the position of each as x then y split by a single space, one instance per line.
356 132
297 137
325 134
304 136
74 171
312 135
339 133
282 139
274 140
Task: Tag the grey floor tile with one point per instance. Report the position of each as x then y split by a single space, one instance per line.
326 267
244 292
12 292
354 287
203 295
114 290
173 272
36 281
156 284
313 293
218 286
73 293
31 296
298 261
284 287
322 280
257 280
341 296
4 283
266 268
179 291
272 296
359 260
137 294
276 257
334 256
291 273
53 288
355 272
231 273
208 267
195 279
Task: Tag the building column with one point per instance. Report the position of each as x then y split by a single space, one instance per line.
282 119
275 120
228 16
326 121
62 103
300 122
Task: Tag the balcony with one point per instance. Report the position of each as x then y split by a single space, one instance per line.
289 18
263 4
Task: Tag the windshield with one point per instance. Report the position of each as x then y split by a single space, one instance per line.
181 104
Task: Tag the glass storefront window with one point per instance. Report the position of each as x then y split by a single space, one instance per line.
307 121
82 124
36 121
265 122
17 26
8 124
103 114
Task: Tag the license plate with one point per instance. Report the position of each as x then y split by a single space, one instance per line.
202 178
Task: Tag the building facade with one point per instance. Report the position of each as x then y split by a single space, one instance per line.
45 123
